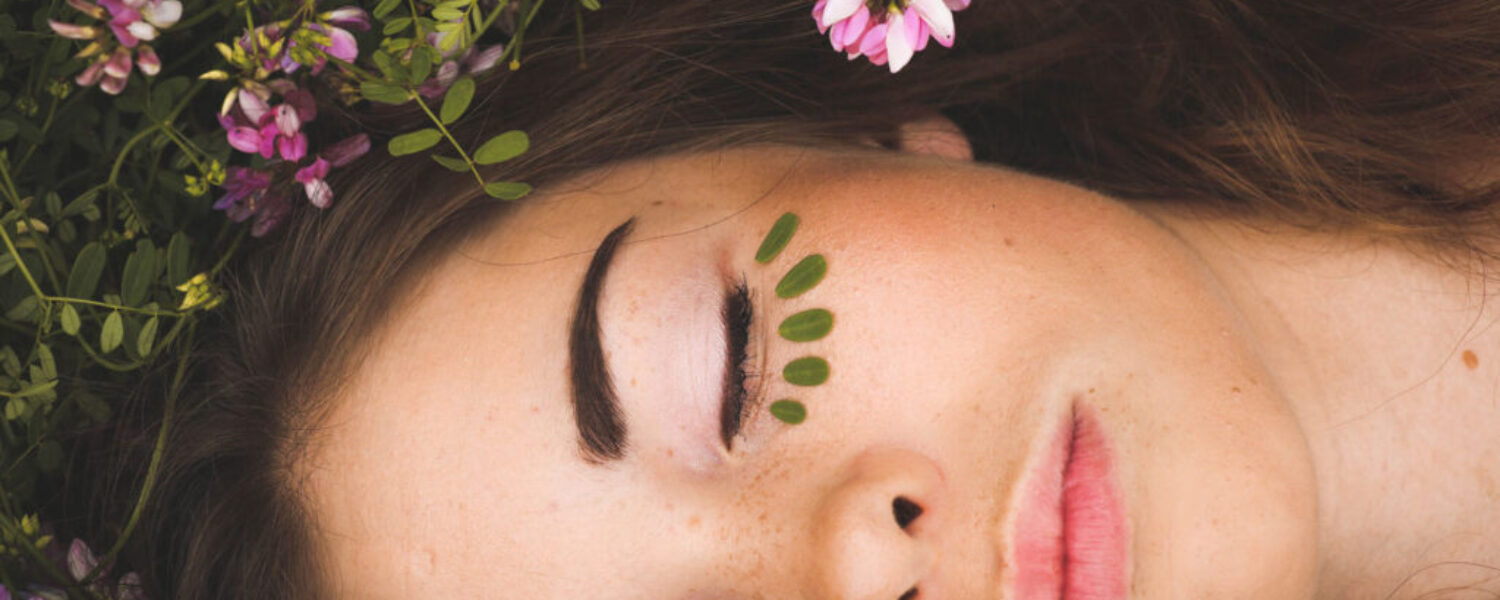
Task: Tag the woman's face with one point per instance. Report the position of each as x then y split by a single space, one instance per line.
976 311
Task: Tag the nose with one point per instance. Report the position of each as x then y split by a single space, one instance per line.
873 530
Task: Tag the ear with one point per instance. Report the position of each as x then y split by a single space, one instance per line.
934 134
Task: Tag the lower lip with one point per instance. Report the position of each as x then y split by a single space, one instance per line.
1070 535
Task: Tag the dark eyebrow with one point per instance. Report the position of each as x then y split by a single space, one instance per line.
596 409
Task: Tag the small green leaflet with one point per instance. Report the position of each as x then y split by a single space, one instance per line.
146 338
414 142
806 326
502 147
507 190
806 371
780 234
802 277
84 278
113 332
790 412
385 93
456 101
69 319
456 165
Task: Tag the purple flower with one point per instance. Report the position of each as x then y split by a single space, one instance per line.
134 21
889 34
248 193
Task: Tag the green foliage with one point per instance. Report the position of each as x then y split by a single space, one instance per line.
802 277
790 412
806 371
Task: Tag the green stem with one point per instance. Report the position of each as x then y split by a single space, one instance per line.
21 264
46 125
151 471
122 308
449 136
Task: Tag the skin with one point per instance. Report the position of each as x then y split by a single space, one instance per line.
1289 414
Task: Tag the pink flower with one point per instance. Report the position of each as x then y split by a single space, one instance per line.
890 33
117 46
475 59
337 155
259 128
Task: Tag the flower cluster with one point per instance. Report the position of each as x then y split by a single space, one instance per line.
264 115
115 45
886 32
81 562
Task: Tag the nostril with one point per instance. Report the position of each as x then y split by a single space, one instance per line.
910 594
906 511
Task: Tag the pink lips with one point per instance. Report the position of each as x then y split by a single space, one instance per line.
1070 537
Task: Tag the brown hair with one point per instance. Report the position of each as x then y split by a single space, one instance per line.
1322 114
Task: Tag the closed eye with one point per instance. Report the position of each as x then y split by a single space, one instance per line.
738 315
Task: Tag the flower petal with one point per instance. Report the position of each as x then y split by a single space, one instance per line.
162 13
292 148
71 31
318 193
817 15
113 85
123 34
859 24
317 170
81 560
898 46
352 17
874 39
245 139
286 119
302 101
91 74
253 104
937 16
346 150
146 60
485 59
142 31
88 8
838 10
344 47
118 64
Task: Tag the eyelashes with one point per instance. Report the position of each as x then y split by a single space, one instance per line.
739 314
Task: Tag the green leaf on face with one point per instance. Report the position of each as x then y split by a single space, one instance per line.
456 101
456 165
802 277
385 93
113 332
507 190
69 319
146 338
790 412
805 371
416 141
84 278
502 147
780 234
807 325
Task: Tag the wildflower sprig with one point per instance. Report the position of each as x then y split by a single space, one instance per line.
128 130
